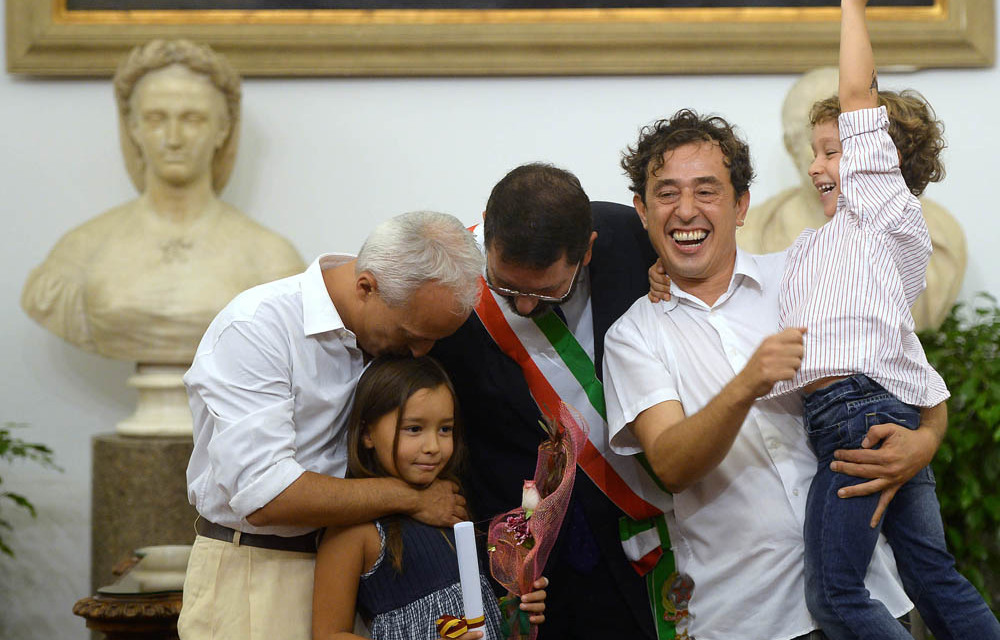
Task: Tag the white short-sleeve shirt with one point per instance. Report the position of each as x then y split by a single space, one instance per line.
270 390
738 531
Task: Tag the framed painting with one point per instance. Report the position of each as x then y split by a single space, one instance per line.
495 37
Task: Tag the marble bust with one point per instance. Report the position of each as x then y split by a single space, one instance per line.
774 225
142 281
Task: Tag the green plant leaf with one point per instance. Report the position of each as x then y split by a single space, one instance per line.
965 350
20 501
11 450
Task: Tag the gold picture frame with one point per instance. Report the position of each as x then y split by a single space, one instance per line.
45 38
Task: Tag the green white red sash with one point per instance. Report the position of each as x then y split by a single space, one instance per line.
556 368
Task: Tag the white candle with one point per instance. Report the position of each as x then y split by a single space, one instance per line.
468 573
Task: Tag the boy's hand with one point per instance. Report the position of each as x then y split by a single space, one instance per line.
777 358
659 283
534 602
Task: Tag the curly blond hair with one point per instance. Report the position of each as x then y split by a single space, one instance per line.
914 129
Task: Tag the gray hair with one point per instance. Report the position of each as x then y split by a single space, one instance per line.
415 248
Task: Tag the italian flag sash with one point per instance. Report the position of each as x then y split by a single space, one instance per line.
556 369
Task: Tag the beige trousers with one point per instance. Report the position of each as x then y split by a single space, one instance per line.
244 593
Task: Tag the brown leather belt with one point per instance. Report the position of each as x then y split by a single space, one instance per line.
305 543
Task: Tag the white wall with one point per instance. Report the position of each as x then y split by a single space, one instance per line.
321 161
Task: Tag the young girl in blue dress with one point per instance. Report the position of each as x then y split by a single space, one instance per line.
400 574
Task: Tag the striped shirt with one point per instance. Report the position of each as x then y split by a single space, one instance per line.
852 282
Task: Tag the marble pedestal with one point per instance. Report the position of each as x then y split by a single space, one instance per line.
139 499
151 616
162 408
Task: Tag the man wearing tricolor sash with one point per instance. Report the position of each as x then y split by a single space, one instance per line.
683 378
559 271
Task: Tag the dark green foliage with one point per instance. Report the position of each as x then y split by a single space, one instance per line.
11 449
966 352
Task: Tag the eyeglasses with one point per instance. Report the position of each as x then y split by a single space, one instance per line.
511 293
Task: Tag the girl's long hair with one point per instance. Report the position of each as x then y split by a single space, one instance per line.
385 387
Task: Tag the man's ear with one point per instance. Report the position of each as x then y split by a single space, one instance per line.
742 206
640 207
590 249
365 286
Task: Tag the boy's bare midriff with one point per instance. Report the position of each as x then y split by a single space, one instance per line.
822 383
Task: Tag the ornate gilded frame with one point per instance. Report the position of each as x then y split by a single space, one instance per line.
43 38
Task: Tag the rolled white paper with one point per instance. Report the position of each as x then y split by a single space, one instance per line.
468 572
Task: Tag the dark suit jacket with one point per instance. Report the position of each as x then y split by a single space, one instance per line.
501 417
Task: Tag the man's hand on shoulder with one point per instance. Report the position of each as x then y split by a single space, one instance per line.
777 358
440 504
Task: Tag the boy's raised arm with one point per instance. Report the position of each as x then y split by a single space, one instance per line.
858 79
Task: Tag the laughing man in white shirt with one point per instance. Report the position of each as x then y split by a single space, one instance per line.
682 382
270 391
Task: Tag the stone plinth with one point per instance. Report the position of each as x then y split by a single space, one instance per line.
139 499
132 617
162 409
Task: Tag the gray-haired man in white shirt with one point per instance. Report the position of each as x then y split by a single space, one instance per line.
270 389
682 379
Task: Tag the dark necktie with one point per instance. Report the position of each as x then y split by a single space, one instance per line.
559 312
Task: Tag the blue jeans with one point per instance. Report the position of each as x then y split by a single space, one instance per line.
839 541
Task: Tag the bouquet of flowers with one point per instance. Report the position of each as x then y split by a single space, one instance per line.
520 540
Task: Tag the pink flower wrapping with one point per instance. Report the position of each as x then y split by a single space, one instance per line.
520 544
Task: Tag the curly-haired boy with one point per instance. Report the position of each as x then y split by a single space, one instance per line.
851 285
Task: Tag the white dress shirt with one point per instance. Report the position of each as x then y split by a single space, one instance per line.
738 531
852 282
579 313
270 391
